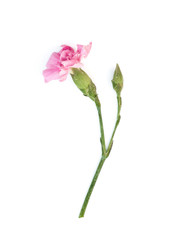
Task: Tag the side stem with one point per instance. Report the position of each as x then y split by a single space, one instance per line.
119 103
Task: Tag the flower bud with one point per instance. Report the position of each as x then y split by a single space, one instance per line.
84 83
117 80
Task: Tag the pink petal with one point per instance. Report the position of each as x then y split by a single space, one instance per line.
66 55
84 50
63 74
69 63
51 74
66 47
79 48
63 71
53 60
63 78
78 65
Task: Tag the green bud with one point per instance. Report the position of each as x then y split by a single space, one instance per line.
117 80
84 83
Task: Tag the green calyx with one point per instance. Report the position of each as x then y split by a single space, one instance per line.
117 80
84 83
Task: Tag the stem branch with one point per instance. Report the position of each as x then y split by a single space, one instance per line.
116 124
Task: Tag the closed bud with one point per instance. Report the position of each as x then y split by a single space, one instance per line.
84 83
117 80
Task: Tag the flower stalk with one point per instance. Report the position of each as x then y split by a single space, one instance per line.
102 138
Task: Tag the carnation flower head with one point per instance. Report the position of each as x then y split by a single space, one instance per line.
60 63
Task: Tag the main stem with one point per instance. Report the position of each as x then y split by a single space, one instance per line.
102 138
84 206
103 158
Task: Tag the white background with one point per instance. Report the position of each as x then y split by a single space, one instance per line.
49 133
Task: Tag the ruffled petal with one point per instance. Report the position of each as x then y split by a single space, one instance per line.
84 50
66 47
63 78
66 55
51 74
54 60
77 65
69 63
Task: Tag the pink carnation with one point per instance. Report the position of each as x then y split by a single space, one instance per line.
60 64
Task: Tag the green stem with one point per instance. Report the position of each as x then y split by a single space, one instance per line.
116 124
84 206
102 138
103 145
